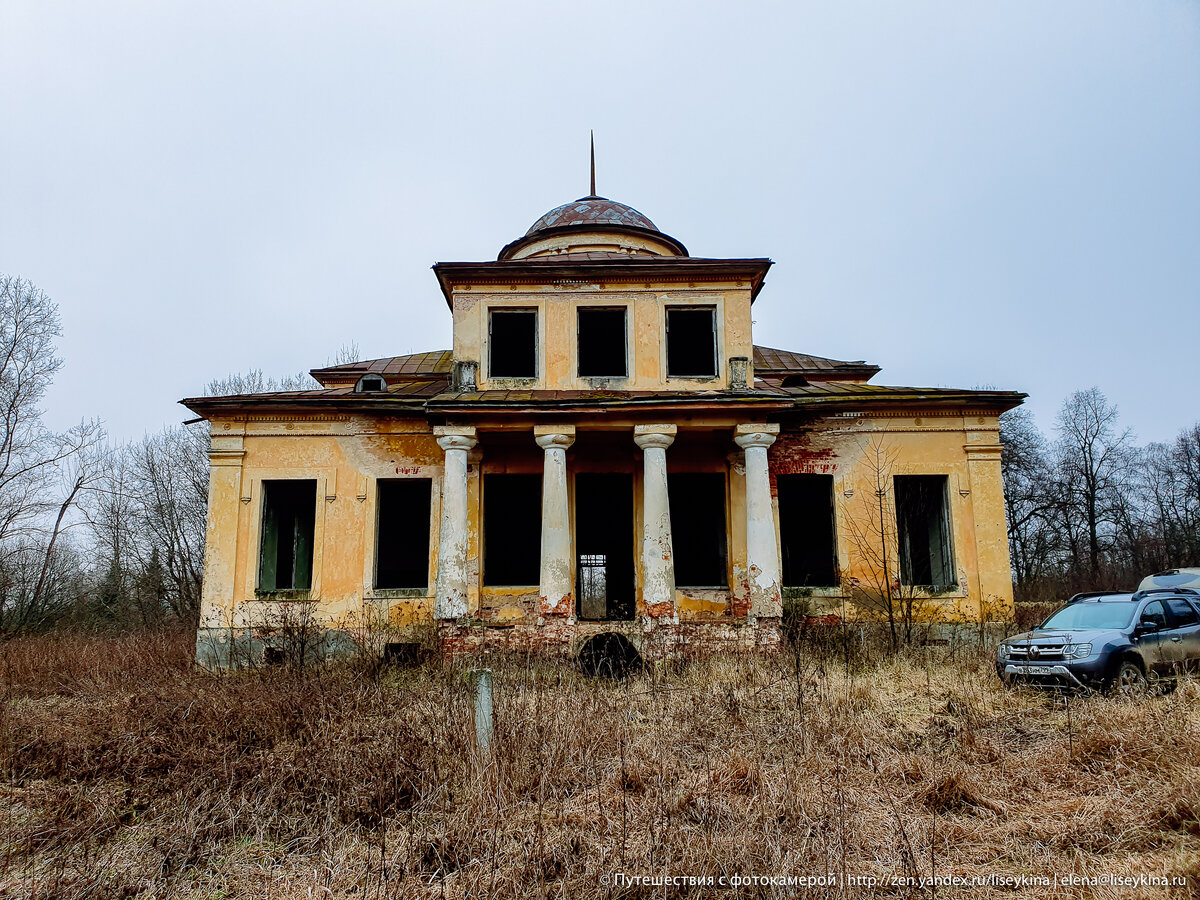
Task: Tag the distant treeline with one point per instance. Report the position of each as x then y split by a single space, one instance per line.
92 533
1090 509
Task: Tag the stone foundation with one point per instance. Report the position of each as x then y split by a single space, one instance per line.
653 639
239 648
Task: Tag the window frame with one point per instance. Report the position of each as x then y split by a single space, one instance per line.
485 548
286 592
537 331
361 388
580 310
725 583
416 590
947 548
782 480
713 309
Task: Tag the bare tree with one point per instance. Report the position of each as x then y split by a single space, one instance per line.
1027 474
254 382
42 474
1095 457
874 582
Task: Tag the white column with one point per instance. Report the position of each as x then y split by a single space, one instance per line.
762 550
451 599
658 561
557 598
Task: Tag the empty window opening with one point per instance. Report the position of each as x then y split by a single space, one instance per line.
609 655
289 514
698 529
794 381
512 530
370 384
806 530
602 343
512 343
692 341
923 528
604 541
402 534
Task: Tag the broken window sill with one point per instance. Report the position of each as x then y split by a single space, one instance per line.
283 594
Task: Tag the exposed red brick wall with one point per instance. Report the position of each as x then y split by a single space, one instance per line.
793 453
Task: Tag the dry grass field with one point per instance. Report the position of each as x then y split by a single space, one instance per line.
124 772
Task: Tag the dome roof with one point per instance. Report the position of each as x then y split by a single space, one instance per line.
591 211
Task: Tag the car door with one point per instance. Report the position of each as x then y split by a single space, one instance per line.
1151 642
1183 637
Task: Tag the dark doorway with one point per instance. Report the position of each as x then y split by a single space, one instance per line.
806 530
697 503
512 530
604 544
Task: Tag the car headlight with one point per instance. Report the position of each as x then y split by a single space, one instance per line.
1078 651
1003 649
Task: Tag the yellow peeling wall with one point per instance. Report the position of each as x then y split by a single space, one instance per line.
557 307
348 454
963 447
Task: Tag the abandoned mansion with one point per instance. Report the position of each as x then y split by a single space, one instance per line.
605 449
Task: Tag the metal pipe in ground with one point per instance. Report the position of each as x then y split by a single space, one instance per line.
481 710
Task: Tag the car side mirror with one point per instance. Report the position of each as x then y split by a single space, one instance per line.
1147 626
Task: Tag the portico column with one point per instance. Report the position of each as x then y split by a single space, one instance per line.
762 550
451 599
658 561
556 569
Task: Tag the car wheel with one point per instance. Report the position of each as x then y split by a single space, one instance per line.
1129 680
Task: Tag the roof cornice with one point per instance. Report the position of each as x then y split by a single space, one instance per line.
539 271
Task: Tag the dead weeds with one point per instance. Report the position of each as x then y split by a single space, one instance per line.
126 772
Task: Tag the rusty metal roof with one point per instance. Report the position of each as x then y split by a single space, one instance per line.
418 366
436 364
419 383
768 361
591 211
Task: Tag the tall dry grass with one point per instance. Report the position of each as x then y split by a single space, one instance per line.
127 773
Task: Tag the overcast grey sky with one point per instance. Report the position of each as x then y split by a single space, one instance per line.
967 193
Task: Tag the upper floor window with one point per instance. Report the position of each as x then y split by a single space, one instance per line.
691 341
512 343
602 351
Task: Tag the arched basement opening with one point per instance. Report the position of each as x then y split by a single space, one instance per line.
609 655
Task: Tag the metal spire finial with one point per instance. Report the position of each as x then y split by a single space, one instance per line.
592 135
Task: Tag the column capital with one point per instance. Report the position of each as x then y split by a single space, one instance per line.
455 437
756 435
549 437
647 436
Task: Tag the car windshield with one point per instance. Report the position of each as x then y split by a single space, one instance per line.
1114 614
